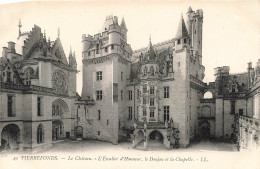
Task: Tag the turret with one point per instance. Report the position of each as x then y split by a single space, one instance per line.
194 24
72 59
86 42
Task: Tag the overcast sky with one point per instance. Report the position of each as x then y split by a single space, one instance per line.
231 30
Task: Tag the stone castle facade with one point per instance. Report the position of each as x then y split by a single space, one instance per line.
152 94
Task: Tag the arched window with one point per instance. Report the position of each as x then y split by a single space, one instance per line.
40 134
28 75
208 95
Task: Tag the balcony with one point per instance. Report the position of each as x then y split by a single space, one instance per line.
249 122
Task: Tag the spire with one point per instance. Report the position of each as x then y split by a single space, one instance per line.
182 30
150 50
190 9
58 32
123 23
20 25
44 35
70 52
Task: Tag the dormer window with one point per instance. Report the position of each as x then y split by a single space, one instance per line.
105 49
185 40
179 41
112 47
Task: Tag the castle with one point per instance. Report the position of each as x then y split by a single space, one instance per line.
152 94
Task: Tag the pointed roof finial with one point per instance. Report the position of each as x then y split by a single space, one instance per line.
150 38
20 25
58 32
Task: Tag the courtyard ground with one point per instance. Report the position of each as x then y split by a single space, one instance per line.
94 145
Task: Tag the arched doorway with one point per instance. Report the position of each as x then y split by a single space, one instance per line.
10 137
205 130
79 132
57 130
140 138
155 139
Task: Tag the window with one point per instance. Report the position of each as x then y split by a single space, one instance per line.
151 112
97 49
130 95
122 76
168 66
152 70
40 134
28 79
107 122
179 64
99 95
138 93
144 112
99 75
166 110
233 106
130 113
10 105
8 78
99 114
166 92
98 133
195 31
179 41
185 40
119 124
112 47
39 112
89 53
241 112
144 100
144 88
145 71
105 49
233 88
151 101
151 90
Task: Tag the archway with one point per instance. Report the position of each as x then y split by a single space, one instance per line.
205 130
140 138
57 130
79 132
155 139
10 137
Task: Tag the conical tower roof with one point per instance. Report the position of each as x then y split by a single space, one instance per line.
182 30
190 9
123 25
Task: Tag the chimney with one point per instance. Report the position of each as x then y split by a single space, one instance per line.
116 20
11 46
249 66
